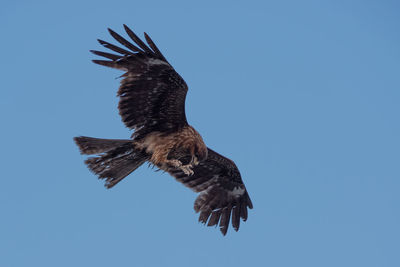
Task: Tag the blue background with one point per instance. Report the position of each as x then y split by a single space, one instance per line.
303 95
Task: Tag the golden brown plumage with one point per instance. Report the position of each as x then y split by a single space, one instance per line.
186 141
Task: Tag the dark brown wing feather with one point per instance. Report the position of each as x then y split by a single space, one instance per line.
223 196
152 94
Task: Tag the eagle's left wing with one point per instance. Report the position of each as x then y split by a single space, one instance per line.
222 192
152 94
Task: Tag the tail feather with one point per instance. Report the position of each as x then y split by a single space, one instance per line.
116 158
91 145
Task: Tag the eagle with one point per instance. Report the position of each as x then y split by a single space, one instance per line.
152 104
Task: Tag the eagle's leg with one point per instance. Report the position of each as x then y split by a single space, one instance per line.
160 157
194 161
187 169
174 163
160 153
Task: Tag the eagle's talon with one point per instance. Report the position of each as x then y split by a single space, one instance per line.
187 169
194 161
175 163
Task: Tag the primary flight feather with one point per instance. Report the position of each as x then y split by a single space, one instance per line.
152 103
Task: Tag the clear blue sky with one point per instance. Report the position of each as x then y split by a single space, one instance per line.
303 95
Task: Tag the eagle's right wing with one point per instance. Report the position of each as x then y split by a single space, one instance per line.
222 192
152 94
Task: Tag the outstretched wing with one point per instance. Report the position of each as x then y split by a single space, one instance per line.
152 94
222 192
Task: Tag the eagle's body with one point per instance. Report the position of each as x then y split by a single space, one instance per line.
186 141
152 103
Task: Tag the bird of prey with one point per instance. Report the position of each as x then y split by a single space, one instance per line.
152 103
